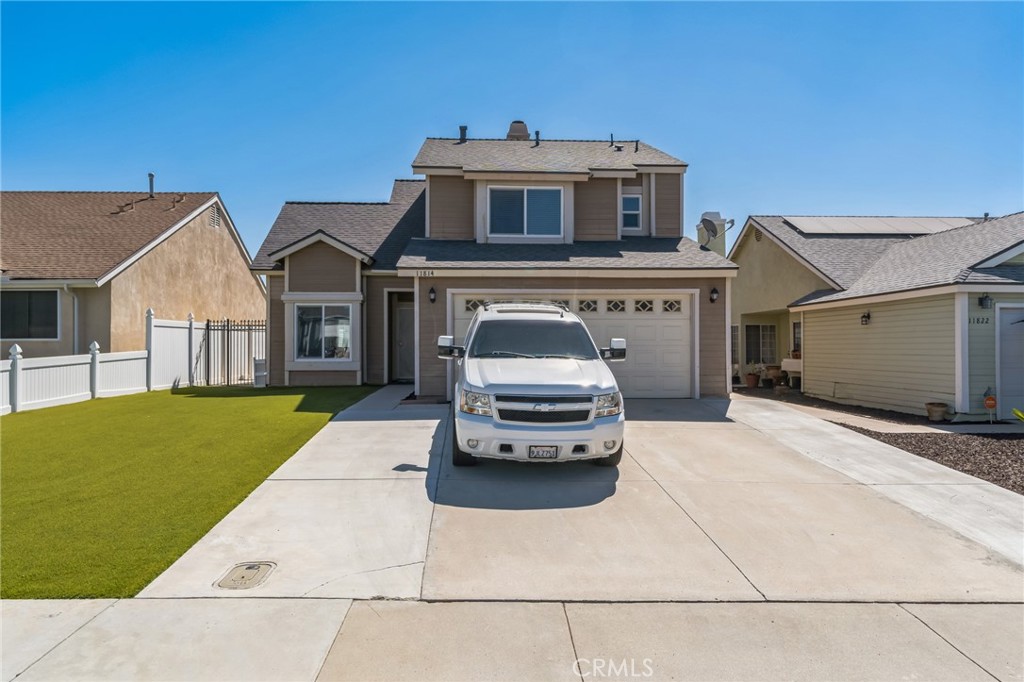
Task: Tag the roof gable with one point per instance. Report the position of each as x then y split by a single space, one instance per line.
378 230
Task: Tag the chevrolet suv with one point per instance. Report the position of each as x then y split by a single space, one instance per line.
533 386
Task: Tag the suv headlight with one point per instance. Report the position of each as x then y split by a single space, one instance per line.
475 403
608 405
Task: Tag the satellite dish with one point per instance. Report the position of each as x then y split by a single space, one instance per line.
710 230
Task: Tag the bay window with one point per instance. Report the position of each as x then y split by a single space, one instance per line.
525 211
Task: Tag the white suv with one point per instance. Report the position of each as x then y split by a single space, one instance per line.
533 386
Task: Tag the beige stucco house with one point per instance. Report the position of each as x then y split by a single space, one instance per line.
360 292
80 267
887 312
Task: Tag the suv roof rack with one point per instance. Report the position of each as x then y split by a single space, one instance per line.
526 306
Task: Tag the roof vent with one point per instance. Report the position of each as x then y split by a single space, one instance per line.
536 143
152 176
517 130
463 130
618 147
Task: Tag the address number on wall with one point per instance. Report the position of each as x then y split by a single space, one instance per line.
980 320
424 273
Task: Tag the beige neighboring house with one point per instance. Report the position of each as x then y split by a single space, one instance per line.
887 312
360 292
80 267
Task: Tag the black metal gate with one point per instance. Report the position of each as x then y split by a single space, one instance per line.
229 349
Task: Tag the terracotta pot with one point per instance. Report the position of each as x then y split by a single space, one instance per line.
936 411
752 380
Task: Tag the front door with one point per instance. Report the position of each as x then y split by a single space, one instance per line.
403 348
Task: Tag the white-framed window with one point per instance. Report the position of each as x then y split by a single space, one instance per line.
30 315
760 343
798 335
323 332
524 211
734 331
631 213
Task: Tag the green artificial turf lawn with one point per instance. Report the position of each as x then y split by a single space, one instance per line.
99 497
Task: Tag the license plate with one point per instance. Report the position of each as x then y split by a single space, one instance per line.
543 452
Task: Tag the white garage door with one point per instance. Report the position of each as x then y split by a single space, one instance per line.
658 328
1011 361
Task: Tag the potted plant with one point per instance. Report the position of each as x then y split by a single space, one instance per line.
753 376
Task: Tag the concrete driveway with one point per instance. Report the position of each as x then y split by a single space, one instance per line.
738 540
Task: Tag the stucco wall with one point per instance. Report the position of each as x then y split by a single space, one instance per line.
199 269
904 358
769 279
433 319
597 210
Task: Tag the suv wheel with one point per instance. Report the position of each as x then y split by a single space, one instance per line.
611 460
459 457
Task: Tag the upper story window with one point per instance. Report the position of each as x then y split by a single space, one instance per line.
525 211
631 212
29 315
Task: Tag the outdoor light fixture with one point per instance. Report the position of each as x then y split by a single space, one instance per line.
714 294
865 318
985 301
432 295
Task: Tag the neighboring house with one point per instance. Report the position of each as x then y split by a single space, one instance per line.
887 312
80 267
359 293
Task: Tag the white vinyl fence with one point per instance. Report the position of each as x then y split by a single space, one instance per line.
177 353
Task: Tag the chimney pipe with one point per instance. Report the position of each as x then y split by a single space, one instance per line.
612 143
462 133
152 176
636 146
536 137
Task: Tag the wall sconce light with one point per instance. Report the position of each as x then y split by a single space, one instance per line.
714 294
432 295
985 301
865 318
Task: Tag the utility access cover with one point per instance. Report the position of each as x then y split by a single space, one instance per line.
246 576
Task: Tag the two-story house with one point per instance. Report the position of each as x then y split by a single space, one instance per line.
359 292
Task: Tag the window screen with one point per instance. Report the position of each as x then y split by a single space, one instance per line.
507 211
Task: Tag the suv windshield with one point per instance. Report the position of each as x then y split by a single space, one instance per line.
532 339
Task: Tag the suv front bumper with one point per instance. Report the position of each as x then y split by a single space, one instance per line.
501 440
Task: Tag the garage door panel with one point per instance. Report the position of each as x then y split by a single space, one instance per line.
657 329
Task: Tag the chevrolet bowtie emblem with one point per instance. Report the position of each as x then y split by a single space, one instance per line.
544 407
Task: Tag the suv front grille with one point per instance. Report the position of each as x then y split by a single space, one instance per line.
542 398
538 417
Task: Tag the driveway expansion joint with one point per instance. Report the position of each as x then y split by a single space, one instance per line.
955 647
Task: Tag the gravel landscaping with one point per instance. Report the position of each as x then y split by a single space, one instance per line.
996 458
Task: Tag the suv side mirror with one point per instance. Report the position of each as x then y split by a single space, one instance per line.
446 348
616 352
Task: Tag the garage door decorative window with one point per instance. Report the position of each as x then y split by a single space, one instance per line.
671 306
588 306
644 305
472 304
616 306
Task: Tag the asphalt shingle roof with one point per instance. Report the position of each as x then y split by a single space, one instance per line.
948 257
843 258
631 252
83 235
550 156
380 230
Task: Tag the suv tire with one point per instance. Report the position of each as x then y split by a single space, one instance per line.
460 458
611 460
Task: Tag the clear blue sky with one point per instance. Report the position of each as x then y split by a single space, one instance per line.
800 108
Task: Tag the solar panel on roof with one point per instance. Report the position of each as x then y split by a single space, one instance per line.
864 225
